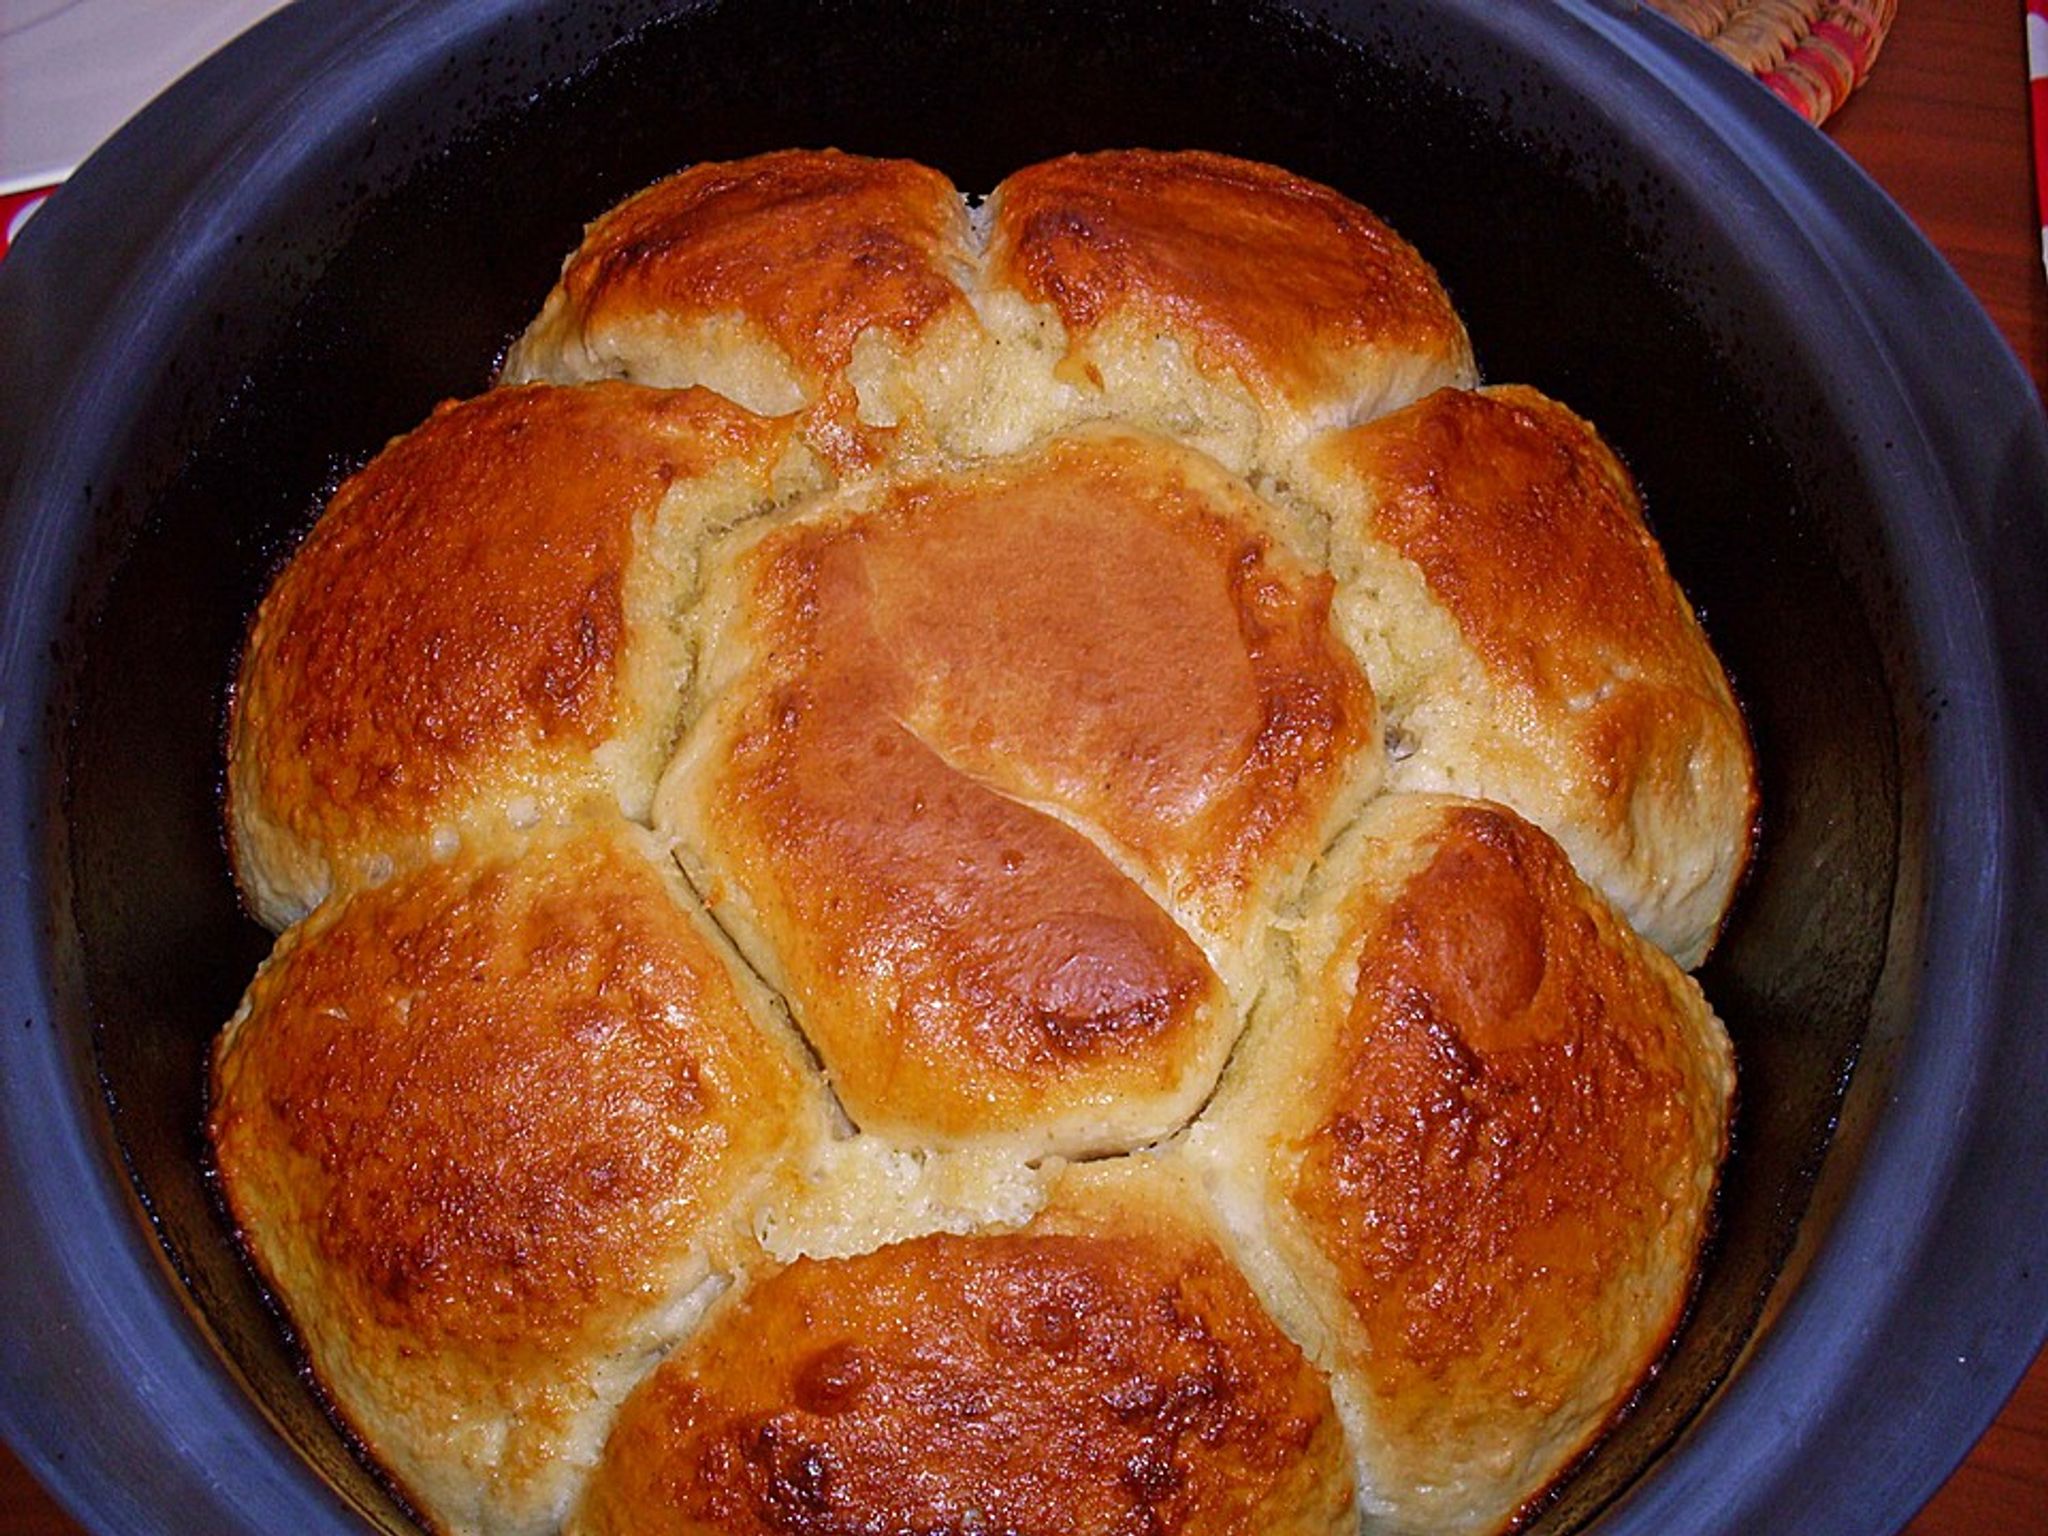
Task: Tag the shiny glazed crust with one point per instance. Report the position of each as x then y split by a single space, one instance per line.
887 697
1105 1369
1471 1148
1530 646
480 630
488 1130
921 814
1233 304
824 284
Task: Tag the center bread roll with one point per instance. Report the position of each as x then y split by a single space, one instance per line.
997 774
860 947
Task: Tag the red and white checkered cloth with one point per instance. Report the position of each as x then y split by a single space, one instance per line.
15 207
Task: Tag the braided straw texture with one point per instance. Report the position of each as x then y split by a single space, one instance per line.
1811 53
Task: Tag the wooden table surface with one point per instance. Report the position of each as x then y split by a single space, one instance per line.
1942 126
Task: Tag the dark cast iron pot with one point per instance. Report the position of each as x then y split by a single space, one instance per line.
343 218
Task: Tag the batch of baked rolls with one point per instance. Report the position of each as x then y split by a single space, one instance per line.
1000 867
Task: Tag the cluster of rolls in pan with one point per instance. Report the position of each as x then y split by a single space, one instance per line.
1004 868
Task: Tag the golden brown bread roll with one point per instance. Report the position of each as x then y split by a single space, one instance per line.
1105 1369
1237 306
493 1132
1469 1151
1008 710
958 834
1528 645
819 283
480 631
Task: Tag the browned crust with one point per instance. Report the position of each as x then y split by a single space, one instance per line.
812 246
1524 524
1057 1384
1265 274
457 616
473 1112
955 954
1515 1129
1530 533
1087 630
954 951
1139 650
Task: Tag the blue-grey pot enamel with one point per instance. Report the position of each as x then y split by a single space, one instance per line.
343 218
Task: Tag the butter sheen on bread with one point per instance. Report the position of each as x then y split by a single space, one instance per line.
982 868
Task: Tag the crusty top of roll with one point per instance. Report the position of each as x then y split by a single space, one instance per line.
479 622
485 1128
888 697
1233 305
762 277
1103 1370
884 794
1529 645
1304 300
1473 1147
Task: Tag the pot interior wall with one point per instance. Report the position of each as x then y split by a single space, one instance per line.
335 334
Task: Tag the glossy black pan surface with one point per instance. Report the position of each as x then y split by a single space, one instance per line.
343 219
